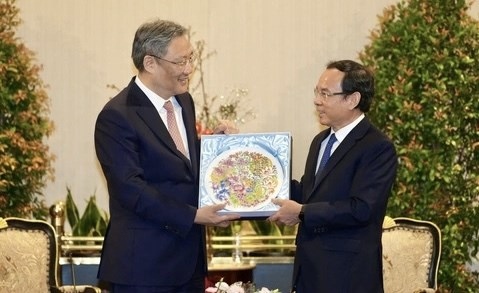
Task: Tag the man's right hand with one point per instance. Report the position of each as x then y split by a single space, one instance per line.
208 215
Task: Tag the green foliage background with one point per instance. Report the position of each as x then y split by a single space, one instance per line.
25 162
425 55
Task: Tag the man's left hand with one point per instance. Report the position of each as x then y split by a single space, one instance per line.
288 212
226 127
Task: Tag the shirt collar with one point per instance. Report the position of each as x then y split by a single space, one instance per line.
157 100
343 132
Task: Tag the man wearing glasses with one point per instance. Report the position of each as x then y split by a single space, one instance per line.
148 148
341 200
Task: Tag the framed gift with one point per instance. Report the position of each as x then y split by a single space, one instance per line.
246 171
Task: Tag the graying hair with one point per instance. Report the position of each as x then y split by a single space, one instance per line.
154 38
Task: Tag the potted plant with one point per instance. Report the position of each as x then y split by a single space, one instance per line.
93 221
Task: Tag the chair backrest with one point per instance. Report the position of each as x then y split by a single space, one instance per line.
411 254
28 256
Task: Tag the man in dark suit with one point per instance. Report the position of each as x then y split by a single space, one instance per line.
155 240
340 203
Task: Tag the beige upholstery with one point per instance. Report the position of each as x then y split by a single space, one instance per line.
29 258
411 254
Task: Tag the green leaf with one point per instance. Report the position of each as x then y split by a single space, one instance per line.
90 218
73 215
93 222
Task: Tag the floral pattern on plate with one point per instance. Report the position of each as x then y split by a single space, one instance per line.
246 171
244 178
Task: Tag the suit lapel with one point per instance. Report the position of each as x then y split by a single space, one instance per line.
312 162
149 115
189 118
349 141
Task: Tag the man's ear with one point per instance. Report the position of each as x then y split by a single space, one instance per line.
354 99
148 63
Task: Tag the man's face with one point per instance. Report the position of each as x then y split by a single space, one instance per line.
172 79
333 107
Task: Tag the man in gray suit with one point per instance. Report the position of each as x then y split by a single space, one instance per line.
341 200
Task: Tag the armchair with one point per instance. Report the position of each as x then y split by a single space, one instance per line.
411 255
29 258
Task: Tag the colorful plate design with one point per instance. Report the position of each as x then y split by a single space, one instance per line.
246 178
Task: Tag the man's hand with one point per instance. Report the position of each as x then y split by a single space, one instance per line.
208 215
288 212
226 127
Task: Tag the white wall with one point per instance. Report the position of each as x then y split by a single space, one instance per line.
274 48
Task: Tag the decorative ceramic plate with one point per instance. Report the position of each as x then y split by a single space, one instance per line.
245 171
246 179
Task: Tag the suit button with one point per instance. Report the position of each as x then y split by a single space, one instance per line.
319 230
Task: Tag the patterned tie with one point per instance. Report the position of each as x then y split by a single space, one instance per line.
173 127
326 154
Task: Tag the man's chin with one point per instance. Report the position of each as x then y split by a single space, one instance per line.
322 119
181 90
183 82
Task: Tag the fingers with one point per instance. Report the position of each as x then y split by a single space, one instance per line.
220 129
283 220
278 201
231 217
226 127
231 129
223 224
223 220
218 207
273 218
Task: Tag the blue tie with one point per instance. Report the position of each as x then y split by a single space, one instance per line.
326 154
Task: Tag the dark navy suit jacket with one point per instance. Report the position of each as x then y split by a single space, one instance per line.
339 244
153 189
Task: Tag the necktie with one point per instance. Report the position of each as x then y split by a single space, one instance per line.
326 154
173 127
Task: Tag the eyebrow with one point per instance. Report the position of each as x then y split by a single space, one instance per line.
324 90
185 56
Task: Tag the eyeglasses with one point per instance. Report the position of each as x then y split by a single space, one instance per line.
182 64
324 95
